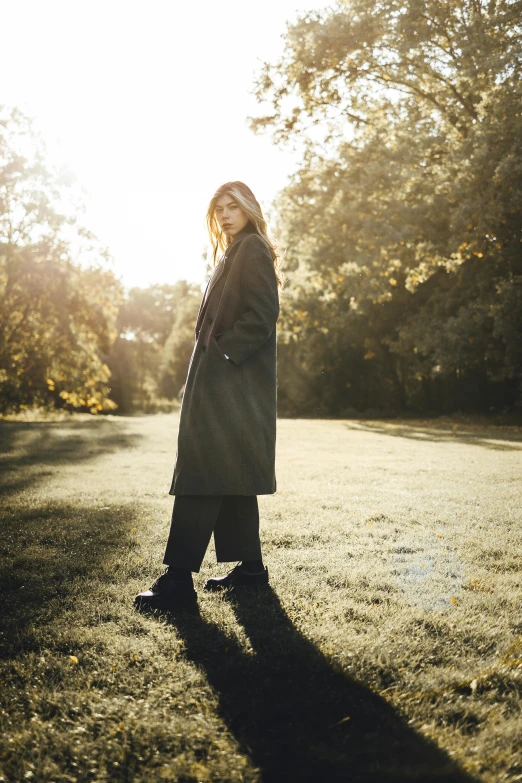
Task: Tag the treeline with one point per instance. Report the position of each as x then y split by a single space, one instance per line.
403 226
402 230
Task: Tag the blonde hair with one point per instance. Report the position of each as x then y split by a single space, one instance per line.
250 206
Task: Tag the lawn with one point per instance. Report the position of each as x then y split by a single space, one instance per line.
388 647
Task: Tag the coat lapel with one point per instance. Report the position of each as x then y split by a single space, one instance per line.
218 271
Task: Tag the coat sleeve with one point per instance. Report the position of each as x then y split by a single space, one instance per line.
261 307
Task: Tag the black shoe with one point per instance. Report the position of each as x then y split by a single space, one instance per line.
167 593
238 578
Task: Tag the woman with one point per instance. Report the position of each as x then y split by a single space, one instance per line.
227 428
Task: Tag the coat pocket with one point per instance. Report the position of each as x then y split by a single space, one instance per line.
215 342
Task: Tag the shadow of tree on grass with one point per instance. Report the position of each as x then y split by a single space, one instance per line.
488 437
47 557
297 715
29 451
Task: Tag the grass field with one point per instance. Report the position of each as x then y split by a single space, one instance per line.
388 648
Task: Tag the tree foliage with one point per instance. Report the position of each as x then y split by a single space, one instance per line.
69 334
58 300
403 226
179 345
150 358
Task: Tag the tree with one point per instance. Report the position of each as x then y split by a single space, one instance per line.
403 225
58 299
156 331
178 348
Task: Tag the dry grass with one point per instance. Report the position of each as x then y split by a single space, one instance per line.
389 648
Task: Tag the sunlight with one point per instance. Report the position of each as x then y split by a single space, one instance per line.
147 105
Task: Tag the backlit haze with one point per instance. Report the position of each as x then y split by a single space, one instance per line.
147 104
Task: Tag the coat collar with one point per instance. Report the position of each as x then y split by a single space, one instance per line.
249 229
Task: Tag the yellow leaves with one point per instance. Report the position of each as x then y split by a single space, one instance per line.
475 253
50 384
369 355
478 586
73 659
453 600
393 281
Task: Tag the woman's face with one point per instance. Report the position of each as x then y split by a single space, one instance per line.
230 216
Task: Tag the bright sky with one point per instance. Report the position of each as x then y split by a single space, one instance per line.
147 102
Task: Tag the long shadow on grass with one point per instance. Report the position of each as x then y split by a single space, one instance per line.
298 716
31 451
48 557
487 438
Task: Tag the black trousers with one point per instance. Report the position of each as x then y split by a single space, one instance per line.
234 520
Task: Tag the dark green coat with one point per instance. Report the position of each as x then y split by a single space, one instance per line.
227 427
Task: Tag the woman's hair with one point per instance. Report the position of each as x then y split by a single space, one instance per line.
250 206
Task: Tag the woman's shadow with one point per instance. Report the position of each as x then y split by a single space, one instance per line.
296 715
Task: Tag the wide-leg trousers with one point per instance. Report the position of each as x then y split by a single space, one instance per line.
234 520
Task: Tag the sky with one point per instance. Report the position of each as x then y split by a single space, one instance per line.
147 104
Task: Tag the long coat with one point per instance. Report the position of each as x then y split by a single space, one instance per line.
227 427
